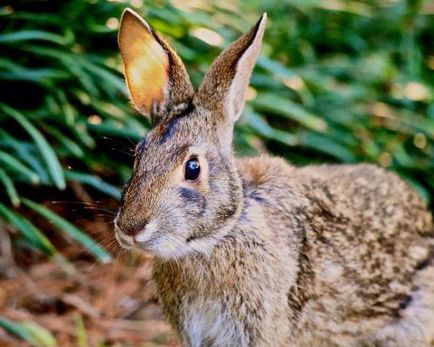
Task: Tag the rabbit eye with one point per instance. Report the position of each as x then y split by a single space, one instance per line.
192 169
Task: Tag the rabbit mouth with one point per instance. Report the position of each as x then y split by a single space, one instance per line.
128 242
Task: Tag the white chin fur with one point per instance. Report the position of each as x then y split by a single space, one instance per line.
174 246
124 241
148 233
169 246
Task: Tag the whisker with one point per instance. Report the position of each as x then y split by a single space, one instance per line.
123 144
75 202
128 153
99 209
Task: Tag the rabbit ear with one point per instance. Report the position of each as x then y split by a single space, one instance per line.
156 77
223 90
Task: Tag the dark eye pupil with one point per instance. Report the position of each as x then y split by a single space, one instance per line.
192 169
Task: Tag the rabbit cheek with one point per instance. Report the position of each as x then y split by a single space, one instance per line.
194 201
147 236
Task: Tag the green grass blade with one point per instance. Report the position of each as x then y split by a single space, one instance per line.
28 230
261 127
33 75
53 164
29 331
43 336
18 167
327 145
80 330
286 108
95 182
32 35
78 235
17 330
111 82
10 188
24 151
69 144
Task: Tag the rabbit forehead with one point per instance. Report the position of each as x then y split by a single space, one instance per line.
167 145
156 159
175 131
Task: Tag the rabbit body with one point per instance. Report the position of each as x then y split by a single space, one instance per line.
256 252
320 256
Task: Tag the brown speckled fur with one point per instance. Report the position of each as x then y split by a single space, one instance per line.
261 253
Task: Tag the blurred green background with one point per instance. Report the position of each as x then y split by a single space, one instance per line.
337 81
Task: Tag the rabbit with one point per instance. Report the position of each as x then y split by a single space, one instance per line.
255 251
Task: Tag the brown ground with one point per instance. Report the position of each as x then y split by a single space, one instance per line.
116 302
84 303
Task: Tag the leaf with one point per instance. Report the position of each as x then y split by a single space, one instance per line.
17 166
117 129
69 144
28 230
110 80
78 235
47 152
33 75
260 126
70 119
11 71
24 150
32 35
80 332
29 331
40 334
17 330
326 145
41 17
95 182
286 108
275 68
10 188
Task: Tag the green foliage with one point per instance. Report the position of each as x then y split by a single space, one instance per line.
29 331
340 81
366 70
32 234
75 233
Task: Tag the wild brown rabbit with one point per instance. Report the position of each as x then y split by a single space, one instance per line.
256 252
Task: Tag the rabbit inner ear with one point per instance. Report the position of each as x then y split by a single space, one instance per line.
223 90
145 62
155 76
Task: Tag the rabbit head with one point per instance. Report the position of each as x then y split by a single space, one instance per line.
185 193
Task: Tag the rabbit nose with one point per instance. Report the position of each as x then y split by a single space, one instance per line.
131 229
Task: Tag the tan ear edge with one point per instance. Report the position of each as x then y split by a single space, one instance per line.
224 88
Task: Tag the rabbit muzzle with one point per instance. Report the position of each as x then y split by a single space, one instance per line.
143 237
124 240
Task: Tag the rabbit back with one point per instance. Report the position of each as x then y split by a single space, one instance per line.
363 238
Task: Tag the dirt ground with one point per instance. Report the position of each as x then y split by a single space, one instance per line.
116 303
83 303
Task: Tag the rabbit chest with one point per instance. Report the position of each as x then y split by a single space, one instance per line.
209 322
230 298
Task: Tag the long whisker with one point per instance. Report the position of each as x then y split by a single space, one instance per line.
86 205
124 145
99 209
